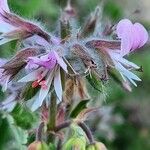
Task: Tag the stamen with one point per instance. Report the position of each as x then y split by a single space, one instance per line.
35 84
39 77
43 84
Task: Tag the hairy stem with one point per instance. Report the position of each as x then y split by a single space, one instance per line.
52 119
87 131
59 145
52 113
62 126
39 132
85 128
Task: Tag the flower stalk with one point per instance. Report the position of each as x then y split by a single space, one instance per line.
39 132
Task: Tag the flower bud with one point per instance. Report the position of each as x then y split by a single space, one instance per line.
91 147
37 145
96 146
100 146
75 144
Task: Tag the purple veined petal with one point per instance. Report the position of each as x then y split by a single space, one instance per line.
47 61
4 6
61 62
32 76
143 34
43 92
57 84
123 27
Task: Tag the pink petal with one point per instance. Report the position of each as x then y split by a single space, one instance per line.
57 84
136 37
61 62
123 27
126 43
142 33
47 61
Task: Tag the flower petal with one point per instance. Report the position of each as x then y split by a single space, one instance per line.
43 92
123 26
61 62
143 34
129 75
57 84
126 43
32 76
4 6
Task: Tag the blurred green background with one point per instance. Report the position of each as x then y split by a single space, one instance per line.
125 121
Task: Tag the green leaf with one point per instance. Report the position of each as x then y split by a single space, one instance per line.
95 83
24 117
78 108
26 8
113 10
11 137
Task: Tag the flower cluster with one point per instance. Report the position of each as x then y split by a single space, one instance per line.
48 60
49 71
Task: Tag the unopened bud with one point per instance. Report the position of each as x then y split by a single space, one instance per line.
91 147
100 146
37 145
75 144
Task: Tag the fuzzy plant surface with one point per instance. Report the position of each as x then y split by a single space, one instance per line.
49 74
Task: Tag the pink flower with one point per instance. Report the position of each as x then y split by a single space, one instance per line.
47 72
132 36
48 61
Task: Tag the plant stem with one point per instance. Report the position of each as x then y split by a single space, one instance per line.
59 145
85 128
52 113
62 126
39 132
87 131
52 118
